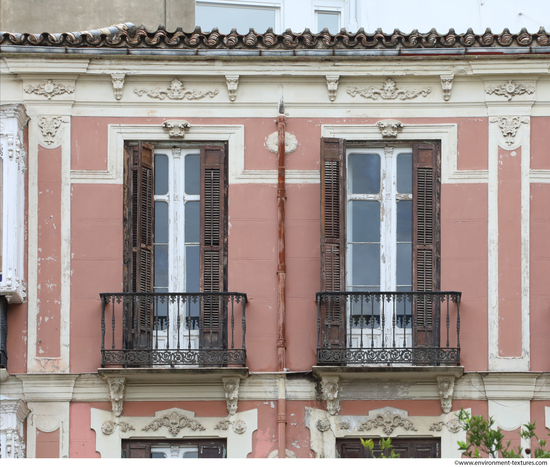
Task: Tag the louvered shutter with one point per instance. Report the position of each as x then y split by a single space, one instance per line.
211 449
137 451
213 243
426 242
333 240
138 262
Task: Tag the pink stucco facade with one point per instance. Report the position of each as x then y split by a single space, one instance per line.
492 231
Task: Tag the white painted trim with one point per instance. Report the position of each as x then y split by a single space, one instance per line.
496 140
547 416
35 363
446 133
48 417
239 445
323 443
539 176
13 155
232 134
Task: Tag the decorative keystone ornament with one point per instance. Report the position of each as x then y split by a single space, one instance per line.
49 127
231 389
389 128
232 82
510 89
176 128
118 84
175 91
446 86
174 422
388 91
445 385
509 127
329 386
332 86
116 391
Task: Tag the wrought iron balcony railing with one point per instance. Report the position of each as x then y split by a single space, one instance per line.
362 328
173 329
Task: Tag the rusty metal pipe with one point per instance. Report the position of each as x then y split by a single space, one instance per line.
281 289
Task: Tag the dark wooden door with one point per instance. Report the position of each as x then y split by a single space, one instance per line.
407 448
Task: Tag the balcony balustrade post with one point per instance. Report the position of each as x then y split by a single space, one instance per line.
102 323
113 325
458 321
319 299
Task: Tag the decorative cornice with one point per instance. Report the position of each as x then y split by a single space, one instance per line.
510 89
446 86
272 143
509 127
332 86
388 91
231 390
445 385
175 422
49 89
116 392
232 82
176 128
388 421
197 39
175 91
329 387
118 84
389 128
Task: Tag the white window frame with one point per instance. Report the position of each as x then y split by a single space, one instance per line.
275 6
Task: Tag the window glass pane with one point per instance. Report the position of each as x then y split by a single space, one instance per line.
192 222
404 263
404 173
364 173
228 17
404 221
192 175
161 222
365 264
191 454
364 221
161 265
329 20
161 174
192 281
192 272
158 455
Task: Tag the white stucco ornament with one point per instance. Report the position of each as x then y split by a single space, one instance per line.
272 143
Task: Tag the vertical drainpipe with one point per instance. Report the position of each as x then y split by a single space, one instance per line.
281 296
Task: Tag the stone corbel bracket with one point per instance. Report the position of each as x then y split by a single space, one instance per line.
445 385
176 128
332 86
389 128
231 389
116 392
232 82
330 392
446 86
118 84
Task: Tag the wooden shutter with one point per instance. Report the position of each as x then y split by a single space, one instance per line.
138 234
213 245
426 243
211 449
333 239
137 450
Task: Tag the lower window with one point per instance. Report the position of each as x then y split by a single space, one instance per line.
407 448
157 449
